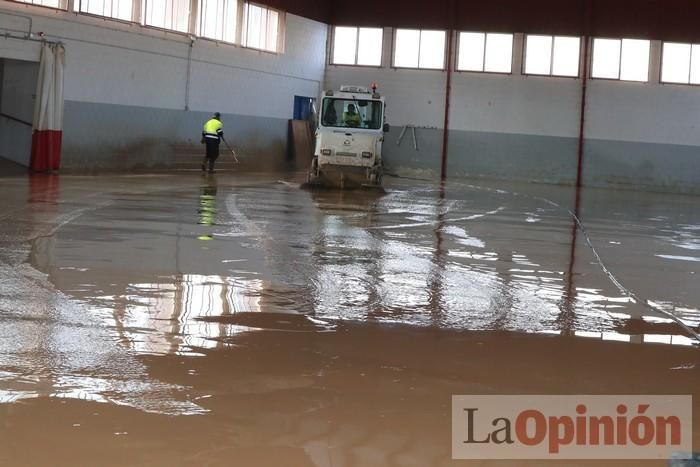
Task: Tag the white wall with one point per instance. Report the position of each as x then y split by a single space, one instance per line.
480 101
644 112
109 63
115 63
515 104
638 135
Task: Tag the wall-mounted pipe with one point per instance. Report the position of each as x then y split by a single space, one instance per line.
7 35
448 90
189 73
28 18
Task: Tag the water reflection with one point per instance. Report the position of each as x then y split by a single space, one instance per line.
435 276
168 318
207 205
638 338
521 276
129 275
455 256
53 346
567 317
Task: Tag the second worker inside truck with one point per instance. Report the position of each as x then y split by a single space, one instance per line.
351 117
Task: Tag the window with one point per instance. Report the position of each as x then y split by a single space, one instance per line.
552 55
357 46
59 4
489 52
217 19
167 14
261 26
419 49
352 113
623 59
119 9
681 63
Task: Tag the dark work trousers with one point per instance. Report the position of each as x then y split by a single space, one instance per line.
212 152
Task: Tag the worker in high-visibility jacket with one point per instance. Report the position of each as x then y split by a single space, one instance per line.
212 134
351 117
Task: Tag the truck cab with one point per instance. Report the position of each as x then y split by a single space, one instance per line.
349 138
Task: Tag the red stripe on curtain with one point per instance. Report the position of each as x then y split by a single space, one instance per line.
46 150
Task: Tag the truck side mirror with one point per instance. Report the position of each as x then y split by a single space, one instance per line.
386 128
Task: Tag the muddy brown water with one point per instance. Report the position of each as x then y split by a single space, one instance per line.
237 320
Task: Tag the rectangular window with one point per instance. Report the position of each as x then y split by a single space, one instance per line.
681 63
217 19
261 28
58 4
623 59
489 52
167 14
357 46
416 48
118 9
552 55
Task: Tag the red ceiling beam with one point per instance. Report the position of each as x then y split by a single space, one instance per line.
319 10
403 14
652 19
649 19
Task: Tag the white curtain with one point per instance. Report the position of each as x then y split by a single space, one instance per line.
48 110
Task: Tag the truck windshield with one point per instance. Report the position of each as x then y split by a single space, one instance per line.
352 113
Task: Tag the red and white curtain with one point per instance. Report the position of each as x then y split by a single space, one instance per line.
48 112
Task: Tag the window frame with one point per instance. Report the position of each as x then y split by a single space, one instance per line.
193 11
37 5
135 13
619 65
357 47
281 28
138 18
483 71
690 67
239 24
393 50
551 57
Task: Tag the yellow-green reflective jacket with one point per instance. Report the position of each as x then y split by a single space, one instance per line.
352 119
213 129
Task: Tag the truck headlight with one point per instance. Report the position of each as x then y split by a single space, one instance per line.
366 155
325 152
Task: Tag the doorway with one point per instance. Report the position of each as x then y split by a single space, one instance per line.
18 80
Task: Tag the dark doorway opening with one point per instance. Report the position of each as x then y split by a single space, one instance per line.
18 79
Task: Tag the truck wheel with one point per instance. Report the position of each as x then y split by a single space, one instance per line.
312 174
375 177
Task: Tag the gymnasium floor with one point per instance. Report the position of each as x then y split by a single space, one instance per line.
197 320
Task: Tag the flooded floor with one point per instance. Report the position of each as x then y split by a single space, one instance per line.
238 320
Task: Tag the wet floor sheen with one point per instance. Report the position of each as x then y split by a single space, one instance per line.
286 327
